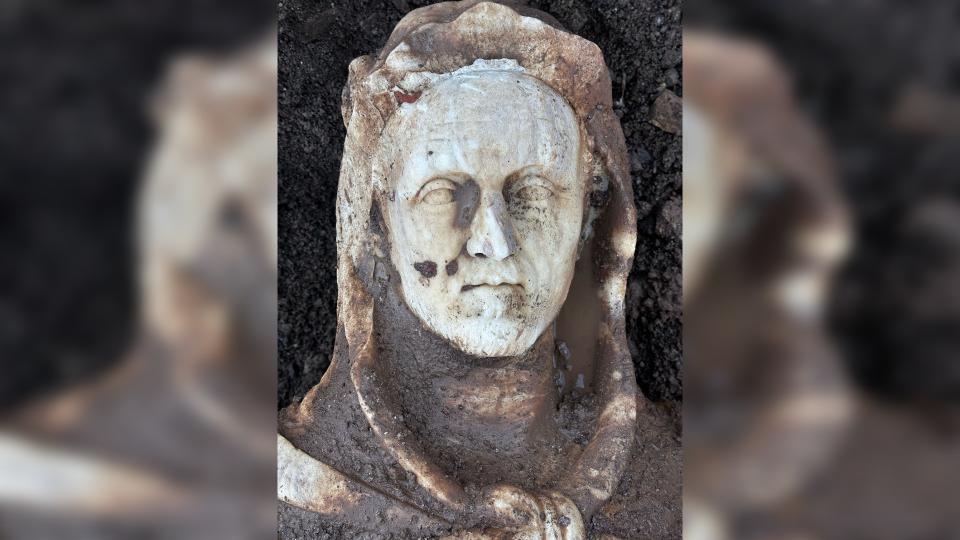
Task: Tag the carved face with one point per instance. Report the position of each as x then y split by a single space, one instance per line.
485 207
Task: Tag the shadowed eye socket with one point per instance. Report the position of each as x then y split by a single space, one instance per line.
437 191
531 188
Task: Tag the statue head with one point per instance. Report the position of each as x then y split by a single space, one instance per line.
482 152
485 203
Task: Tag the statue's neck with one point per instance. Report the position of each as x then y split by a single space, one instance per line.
475 412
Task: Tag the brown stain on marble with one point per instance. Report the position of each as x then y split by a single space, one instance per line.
406 98
426 268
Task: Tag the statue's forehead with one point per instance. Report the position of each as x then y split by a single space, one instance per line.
487 96
485 120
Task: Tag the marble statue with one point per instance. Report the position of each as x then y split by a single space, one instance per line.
481 385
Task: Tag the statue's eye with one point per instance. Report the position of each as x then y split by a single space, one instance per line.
530 189
438 191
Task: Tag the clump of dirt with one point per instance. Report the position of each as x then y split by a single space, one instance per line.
641 45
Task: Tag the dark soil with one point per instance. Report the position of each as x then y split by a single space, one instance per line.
641 45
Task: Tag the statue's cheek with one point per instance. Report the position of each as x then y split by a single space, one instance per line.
429 231
547 227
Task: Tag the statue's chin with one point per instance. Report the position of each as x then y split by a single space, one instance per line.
489 337
485 322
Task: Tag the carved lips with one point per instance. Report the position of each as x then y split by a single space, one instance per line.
505 275
466 288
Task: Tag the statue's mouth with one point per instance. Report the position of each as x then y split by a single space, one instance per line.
471 286
494 278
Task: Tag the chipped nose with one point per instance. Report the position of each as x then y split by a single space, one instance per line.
491 233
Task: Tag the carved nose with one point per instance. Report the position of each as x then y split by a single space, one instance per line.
491 233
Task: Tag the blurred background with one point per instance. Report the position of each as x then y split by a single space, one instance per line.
138 276
75 135
821 219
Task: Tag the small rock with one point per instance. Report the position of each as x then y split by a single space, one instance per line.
643 209
671 77
670 218
639 160
671 58
667 112
669 157
577 20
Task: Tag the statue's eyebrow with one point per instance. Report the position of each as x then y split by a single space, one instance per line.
533 168
528 170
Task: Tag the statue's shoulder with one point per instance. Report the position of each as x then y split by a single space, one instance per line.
329 426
